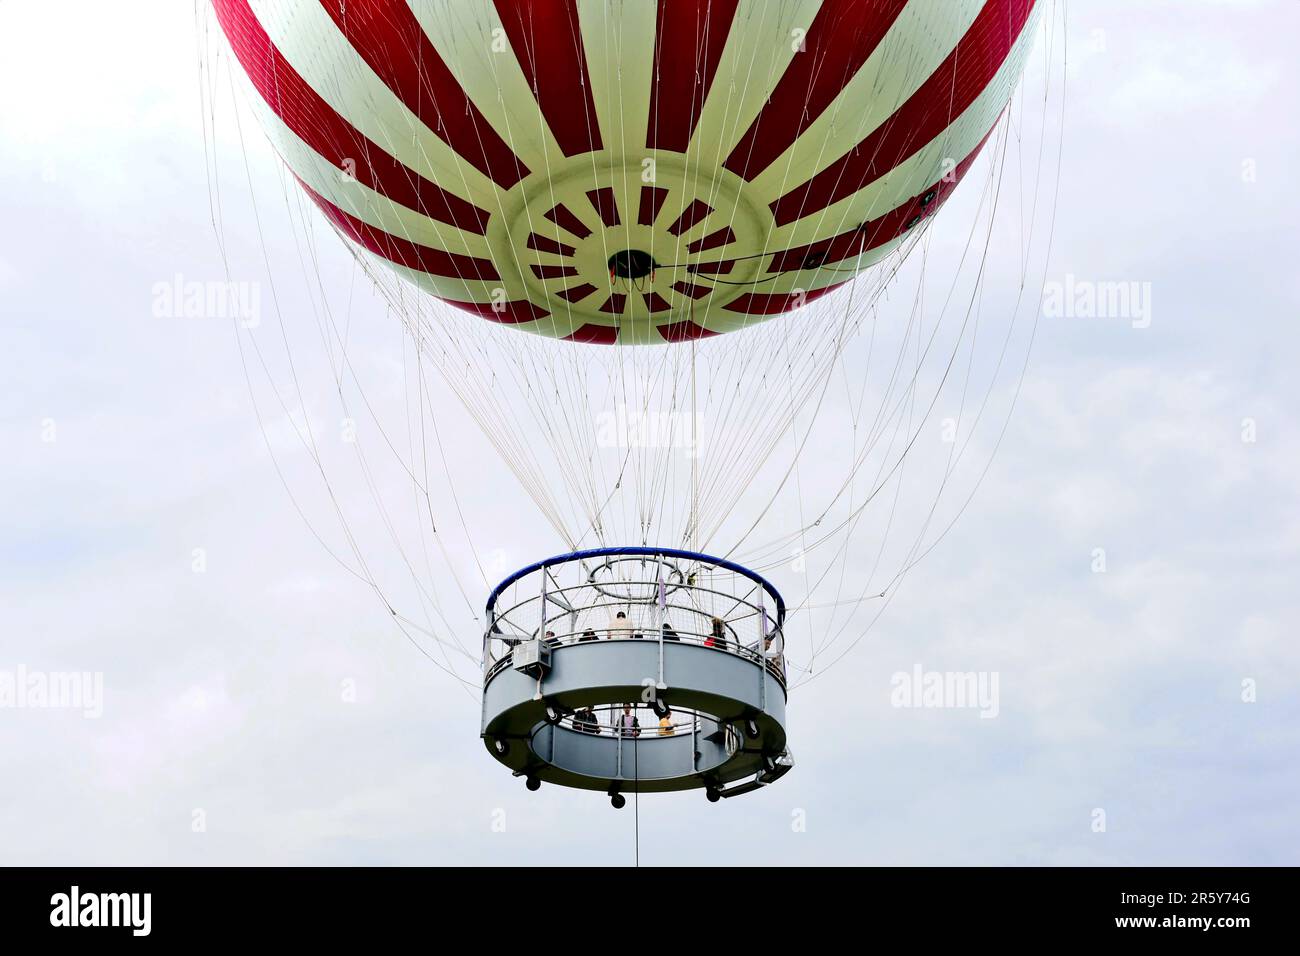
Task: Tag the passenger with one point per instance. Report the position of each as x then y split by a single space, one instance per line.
584 721
551 639
628 725
666 724
620 627
718 635
772 655
669 633
588 635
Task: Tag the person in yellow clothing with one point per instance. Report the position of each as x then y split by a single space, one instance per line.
666 724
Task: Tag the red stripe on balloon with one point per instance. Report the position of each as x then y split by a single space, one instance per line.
724 236
507 313
547 42
655 302
697 211
315 122
764 303
684 331
546 244
390 39
404 252
553 272
692 290
689 38
652 199
564 217
615 303
943 97
594 334
840 39
878 231
606 206
577 293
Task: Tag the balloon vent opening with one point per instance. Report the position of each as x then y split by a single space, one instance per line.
631 264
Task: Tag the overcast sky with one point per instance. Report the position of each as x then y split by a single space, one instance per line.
131 439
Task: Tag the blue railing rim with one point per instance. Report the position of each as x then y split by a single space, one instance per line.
709 559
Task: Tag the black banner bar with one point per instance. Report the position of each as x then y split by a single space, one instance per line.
329 906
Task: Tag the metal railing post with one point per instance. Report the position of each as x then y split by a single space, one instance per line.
695 740
762 649
541 627
662 602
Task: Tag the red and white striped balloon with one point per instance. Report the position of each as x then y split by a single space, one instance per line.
628 170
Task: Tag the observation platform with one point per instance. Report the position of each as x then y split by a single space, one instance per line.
637 670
